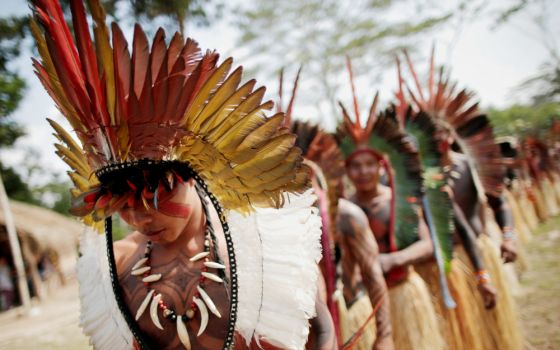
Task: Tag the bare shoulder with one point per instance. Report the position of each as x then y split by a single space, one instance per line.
125 249
351 215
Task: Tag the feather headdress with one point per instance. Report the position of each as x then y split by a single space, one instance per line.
456 113
167 107
383 137
159 103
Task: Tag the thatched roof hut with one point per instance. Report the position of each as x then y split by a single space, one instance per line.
41 233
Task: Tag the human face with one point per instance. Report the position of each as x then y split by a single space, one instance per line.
162 225
363 171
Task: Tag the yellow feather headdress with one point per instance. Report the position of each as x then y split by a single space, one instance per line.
162 103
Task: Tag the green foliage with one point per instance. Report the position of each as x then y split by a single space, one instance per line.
16 188
523 119
11 91
440 207
180 11
12 31
55 195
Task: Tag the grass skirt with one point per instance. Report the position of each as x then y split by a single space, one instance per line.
540 203
501 323
522 231
549 193
556 185
528 210
351 319
413 318
460 326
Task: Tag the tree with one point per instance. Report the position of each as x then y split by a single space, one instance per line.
521 120
319 33
12 32
200 12
545 85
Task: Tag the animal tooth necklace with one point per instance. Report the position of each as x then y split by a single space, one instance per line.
201 301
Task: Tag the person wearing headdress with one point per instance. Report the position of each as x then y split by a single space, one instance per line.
541 168
476 171
509 150
395 217
522 189
225 237
358 292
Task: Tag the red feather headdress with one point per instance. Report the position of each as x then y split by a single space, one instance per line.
158 103
456 113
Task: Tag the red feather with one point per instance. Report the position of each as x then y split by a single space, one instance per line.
121 61
158 53
140 60
174 51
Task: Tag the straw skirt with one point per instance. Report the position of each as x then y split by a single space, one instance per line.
352 318
413 318
460 326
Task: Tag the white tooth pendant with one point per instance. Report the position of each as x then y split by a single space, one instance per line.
144 305
140 271
182 333
199 256
212 277
214 265
139 263
203 315
208 302
153 311
152 278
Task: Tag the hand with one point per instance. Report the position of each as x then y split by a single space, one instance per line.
508 249
489 294
387 261
384 343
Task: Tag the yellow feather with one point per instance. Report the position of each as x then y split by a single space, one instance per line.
81 182
78 159
229 106
276 184
263 133
64 136
287 166
268 157
248 106
301 181
73 165
123 140
216 103
204 94
104 54
230 139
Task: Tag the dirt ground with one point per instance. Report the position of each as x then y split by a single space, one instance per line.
539 302
54 324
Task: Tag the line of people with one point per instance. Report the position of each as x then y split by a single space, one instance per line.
426 214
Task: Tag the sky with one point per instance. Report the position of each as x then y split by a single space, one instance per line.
491 62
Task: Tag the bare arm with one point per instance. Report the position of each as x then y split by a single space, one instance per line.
504 218
358 242
467 237
501 210
323 327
